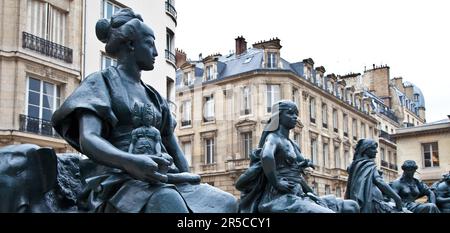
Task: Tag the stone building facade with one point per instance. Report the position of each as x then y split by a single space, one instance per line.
40 65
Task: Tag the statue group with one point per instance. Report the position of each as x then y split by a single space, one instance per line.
135 164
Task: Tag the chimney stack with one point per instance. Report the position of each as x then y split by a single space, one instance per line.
180 57
241 45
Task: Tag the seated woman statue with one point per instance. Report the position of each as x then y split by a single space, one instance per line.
98 120
442 192
410 189
273 183
365 184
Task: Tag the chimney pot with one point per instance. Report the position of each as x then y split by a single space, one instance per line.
241 45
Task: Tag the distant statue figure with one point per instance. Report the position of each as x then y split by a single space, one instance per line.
274 183
442 191
98 119
410 189
365 185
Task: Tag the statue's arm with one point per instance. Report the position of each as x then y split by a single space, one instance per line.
101 151
268 160
173 149
386 189
430 194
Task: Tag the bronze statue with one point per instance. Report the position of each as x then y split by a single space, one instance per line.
98 120
274 182
365 185
442 192
410 189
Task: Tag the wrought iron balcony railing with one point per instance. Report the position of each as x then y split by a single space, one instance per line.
387 136
171 10
46 47
36 126
170 56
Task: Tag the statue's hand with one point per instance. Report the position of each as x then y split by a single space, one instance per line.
399 205
284 186
145 167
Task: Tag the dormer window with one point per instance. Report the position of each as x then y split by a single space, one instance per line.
209 73
271 60
187 79
416 97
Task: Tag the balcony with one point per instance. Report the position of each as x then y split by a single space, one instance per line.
237 164
170 10
211 167
387 136
47 48
384 163
37 126
339 172
390 114
170 56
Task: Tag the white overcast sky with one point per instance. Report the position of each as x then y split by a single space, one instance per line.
412 37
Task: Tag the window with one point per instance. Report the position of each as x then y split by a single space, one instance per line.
246 101
337 157
273 95
327 189
209 73
46 21
109 9
186 112
208 109
170 46
187 79
314 150
383 156
187 150
363 130
371 132
312 110
271 60
315 187
209 151
319 80
108 61
354 130
338 191
416 97
430 154
335 120
346 158
326 155
296 97
247 144
345 125
324 116
308 73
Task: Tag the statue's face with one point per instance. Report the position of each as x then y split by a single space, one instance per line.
288 118
14 183
145 49
372 151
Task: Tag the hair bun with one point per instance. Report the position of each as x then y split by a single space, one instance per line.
102 30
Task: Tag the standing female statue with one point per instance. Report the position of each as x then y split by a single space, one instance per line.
273 182
365 184
442 190
410 189
98 120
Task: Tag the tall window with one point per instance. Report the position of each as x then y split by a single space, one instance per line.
314 150
326 155
246 101
208 109
346 158
335 120
354 130
187 150
430 154
186 112
338 191
209 151
312 110
345 125
296 97
273 95
271 60
324 116
363 130
337 157
327 189
46 21
187 79
108 61
383 156
43 99
247 144
209 73
109 9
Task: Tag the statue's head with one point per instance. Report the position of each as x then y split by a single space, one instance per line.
27 173
128 38
366 147
409 167
446 177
